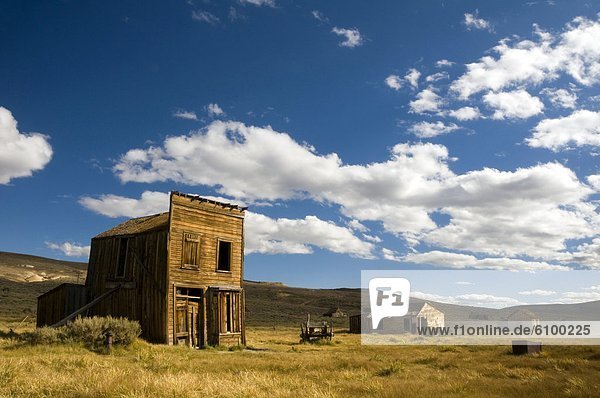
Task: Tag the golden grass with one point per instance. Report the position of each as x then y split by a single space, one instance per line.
276 365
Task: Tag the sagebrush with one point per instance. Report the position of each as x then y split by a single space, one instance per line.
91 332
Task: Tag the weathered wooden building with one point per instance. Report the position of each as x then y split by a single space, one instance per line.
178 273
420 314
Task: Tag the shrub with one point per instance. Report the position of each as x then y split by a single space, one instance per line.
91 332
393 368
43 336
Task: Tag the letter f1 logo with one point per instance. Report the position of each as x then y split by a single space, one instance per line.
389 297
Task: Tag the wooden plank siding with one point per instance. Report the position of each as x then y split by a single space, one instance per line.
59 303
211 222
144 284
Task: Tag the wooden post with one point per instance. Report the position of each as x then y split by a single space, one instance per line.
108 342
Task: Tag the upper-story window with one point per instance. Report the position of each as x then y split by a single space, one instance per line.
224 256
122 257
190 256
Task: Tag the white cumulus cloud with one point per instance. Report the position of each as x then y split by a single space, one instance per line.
443 63
214 110
472 21
352 37
580 128
20 154
259 3
275 236
206 17
574 52
427 101
118 206
537 292
319 16
70 249
437 76
412 77
529 211
518 104
187 115
394 81
561 98
466 113
429 129
594 181
462 261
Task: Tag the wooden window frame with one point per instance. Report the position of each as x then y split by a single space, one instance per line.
186 237
230 255
121 275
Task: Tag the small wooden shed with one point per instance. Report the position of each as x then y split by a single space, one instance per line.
178 273
354 323
59 302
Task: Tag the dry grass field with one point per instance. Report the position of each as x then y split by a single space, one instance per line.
276 364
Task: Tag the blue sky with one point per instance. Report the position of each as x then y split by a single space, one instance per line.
496 288
363 136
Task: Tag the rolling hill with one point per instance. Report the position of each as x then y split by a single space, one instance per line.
23 278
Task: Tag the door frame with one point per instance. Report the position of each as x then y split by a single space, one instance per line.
195 315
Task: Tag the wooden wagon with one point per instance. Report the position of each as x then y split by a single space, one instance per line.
310 331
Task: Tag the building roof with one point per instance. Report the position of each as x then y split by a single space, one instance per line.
212 201
415 306
158 221
138 225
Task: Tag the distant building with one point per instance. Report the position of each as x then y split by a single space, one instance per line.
420 314
335 313
178 273
523 315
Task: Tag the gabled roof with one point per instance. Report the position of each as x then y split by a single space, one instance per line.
416 306
335 312
138 225
158 221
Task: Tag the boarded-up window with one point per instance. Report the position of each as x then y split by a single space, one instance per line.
224 256
122 258
230 311
190 255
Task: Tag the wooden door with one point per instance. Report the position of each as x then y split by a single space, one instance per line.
188 322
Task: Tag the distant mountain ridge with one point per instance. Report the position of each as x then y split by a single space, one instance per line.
24 277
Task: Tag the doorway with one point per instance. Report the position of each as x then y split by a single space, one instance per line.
189 317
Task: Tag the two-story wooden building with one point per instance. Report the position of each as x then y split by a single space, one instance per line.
178 273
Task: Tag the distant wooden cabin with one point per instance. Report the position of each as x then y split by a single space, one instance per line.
523 315
420 314
178 273
335 312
